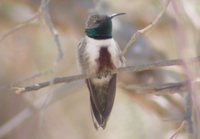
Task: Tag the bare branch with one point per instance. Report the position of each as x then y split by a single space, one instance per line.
158 64
54 32
188 114
41 85
14 122
157 89
147 28
178 130
27 112
192 98
19 26
137 68
43 11
31 77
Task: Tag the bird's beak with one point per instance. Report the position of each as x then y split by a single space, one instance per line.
117 14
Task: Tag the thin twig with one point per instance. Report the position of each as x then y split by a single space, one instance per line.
31 77
19 26
54 32
68 79
188 114
27 112
47 18
192 98
52 29
157 89
41 85
157 64
147 28
178 130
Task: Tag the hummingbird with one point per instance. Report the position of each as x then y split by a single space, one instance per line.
99 55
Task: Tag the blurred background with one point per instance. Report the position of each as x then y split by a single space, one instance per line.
63 111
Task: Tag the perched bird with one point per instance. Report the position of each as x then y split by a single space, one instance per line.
99 54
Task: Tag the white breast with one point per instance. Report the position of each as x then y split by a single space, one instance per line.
93 48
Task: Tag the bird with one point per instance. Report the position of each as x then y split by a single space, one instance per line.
98 56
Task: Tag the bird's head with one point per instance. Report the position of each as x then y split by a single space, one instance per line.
100 26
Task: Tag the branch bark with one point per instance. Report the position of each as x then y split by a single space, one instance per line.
137 68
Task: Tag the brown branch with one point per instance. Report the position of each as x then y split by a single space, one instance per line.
137 68
41 85
147 28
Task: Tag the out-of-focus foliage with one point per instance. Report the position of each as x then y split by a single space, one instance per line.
32 50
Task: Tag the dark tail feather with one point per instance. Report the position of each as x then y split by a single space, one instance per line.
101 98
97 117
111 96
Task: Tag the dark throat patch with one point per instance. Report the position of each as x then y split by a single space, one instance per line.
104 61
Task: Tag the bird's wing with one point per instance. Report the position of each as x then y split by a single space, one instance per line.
81 56
121 56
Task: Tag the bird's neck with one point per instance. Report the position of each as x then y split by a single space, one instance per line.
103 31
